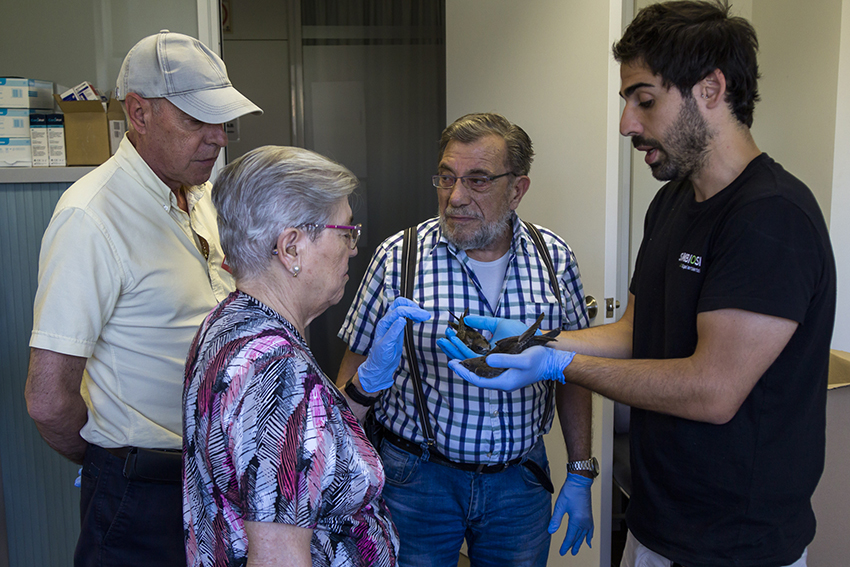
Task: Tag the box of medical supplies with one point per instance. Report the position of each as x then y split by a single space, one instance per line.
38 139
15 152
56 140
14 122
25 93
117 124
86 131
83 91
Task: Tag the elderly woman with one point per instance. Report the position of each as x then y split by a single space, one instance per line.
277 469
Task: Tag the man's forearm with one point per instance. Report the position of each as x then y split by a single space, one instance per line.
55 403
65 438
575 413
610 341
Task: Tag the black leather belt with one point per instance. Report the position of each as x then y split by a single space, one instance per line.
438 458
150 465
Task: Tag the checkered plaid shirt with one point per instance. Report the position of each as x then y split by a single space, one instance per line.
470 424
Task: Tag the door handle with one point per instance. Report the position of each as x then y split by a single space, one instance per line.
592 306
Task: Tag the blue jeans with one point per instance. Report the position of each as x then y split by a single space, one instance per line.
127 522
503 516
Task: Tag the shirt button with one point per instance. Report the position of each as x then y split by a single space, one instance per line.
495 413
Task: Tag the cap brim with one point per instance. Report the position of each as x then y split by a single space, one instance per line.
215 106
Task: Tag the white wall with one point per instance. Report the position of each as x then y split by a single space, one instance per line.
72 41
839 217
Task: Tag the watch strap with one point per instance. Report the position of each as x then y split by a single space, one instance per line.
590 465
355 395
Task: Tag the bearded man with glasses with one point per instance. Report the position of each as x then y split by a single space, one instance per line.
472 465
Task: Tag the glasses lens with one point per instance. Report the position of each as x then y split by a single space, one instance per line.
476 182
444 181
354 236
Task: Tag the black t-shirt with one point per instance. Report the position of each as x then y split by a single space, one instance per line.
734 494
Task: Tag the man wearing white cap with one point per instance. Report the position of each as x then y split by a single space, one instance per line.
129 266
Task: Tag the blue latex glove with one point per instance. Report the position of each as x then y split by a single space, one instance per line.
499 328
453 347
376 372
574 500
79 480
531 365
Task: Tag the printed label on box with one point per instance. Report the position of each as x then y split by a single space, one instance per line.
14 93
38 138
14 123
26 93
56 140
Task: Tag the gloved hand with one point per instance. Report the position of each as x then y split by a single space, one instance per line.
530 366
499 328
453 347
79 480
574 500
376 372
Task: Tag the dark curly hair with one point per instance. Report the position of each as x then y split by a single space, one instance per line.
684 41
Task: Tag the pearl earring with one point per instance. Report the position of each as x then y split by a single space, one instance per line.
296 270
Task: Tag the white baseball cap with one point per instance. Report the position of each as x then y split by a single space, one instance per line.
184 71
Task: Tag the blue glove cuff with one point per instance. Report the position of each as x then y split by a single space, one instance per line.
558 361
579 479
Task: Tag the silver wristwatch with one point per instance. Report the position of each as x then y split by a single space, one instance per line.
590 465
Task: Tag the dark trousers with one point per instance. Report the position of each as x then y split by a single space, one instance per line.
127 522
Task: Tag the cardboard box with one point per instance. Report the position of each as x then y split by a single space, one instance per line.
117 124
25 93
56 140
86 131
38 139
15 152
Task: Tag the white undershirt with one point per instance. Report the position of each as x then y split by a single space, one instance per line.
492 278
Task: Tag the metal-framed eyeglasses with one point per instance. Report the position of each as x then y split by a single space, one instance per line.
352 234
478 183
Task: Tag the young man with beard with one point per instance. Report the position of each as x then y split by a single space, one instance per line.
483 476
730 313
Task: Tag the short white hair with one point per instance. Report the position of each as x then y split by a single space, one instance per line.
268 190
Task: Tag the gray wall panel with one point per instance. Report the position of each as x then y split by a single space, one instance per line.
41 503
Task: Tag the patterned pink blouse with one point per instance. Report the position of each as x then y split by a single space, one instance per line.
269 438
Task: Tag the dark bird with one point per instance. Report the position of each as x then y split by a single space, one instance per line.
510 345
470 337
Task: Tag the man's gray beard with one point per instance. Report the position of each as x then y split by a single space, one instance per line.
484 237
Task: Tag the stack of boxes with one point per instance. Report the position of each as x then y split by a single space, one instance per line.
20 100
32 134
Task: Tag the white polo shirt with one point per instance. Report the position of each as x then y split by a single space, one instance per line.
123 281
